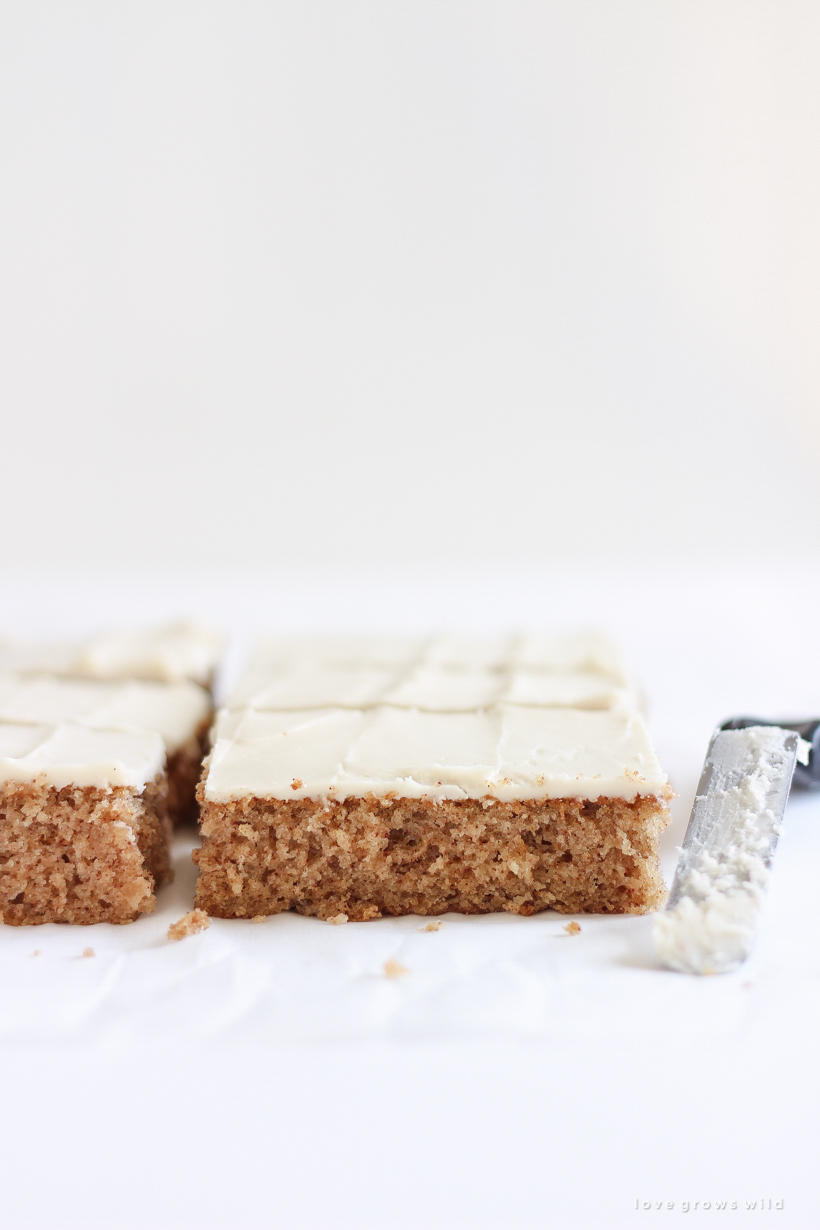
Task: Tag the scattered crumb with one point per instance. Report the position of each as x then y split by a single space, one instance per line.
431 926
572 928
394 969
189 924
259 918
296 784
747 986
89 952
38 952
337 920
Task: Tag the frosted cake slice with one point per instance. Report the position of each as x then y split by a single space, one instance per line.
84 833
480 778
180 712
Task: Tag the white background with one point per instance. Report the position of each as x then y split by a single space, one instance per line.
341 281
405 316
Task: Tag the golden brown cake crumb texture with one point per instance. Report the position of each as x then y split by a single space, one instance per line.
81 854
190 924
369 857
184 770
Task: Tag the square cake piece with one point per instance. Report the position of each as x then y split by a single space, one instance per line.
181 713
84 832
514 774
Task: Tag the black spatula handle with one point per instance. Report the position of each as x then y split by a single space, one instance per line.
806 776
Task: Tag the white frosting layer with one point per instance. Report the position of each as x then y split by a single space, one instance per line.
337 651
569 689
72 754
430 687
578 651
569 652
446 674
507 751
175 710
313 686
169 654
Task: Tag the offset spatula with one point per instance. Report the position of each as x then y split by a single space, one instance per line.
709 922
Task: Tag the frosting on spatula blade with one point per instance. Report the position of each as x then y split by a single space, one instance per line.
710 919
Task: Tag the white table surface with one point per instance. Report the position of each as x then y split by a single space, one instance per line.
267 1075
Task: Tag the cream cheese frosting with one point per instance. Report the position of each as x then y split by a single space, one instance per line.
506 752
567 652
169 654
75 754
451 717
175 710
577 651
336 651
306 685
710 922
443 674
431 687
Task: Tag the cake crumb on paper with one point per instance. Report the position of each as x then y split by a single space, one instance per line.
189 924
337 920
572 928
432 926
38 952
259 918
394 969
89 952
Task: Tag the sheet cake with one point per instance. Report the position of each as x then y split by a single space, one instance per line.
361 778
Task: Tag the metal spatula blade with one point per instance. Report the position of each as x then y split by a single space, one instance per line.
709 922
